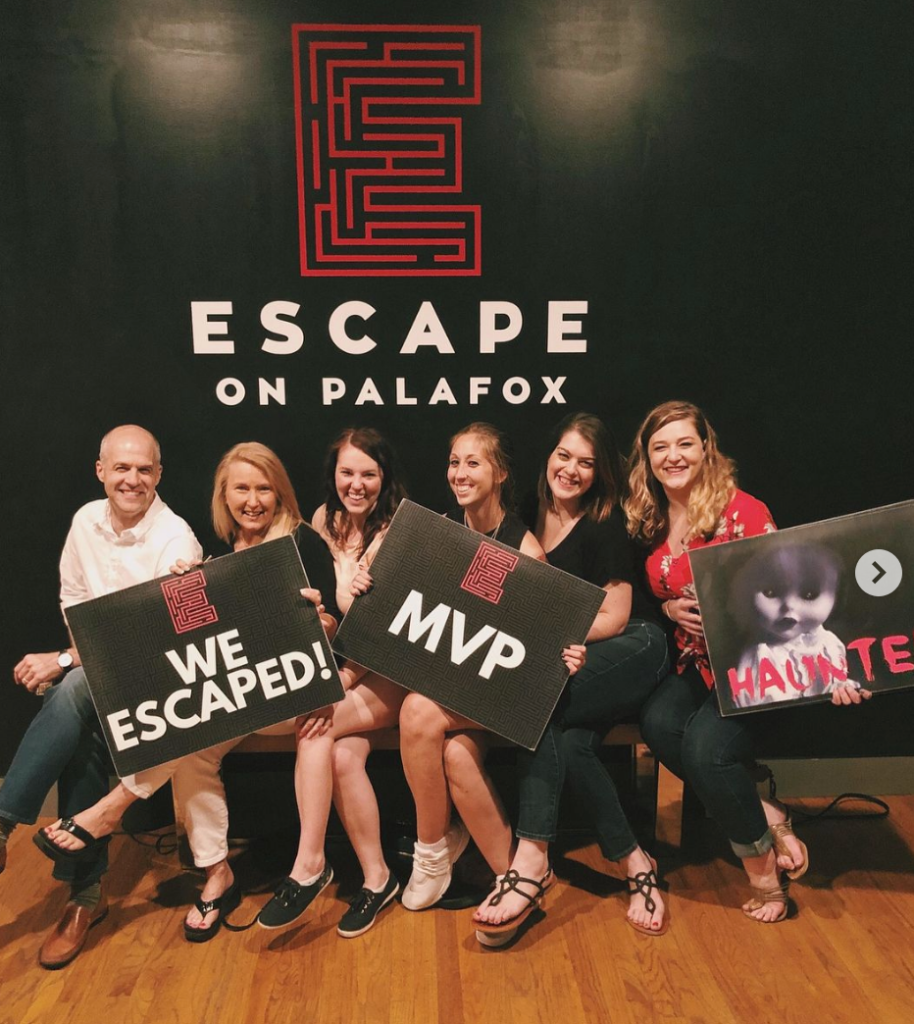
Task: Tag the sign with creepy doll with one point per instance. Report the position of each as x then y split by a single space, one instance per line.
790 616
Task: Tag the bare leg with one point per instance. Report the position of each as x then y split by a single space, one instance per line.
313 792
357 806
372 705
424 725
476 799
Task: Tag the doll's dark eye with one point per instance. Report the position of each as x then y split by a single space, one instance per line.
769 592
810 595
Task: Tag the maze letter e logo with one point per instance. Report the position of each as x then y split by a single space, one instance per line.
486 576
380 149
188 606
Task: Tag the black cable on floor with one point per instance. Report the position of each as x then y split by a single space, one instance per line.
881 812
165 843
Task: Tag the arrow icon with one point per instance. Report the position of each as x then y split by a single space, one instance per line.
880 574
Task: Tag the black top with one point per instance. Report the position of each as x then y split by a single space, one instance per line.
318 563
511 530
600 552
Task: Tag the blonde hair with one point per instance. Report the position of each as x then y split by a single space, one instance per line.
287 518
496 448
647 504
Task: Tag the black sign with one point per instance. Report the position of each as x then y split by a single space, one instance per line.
790 616
183 662
469 622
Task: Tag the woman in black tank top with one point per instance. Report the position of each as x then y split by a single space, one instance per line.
480 479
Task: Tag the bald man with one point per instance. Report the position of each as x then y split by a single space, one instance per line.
130 536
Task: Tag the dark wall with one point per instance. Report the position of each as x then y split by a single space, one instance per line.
728 186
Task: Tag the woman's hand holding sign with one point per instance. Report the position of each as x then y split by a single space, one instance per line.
574 657
684 612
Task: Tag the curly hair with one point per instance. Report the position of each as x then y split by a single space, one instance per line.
370 443
646 508
608 480
287 518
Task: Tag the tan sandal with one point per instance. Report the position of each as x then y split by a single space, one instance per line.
761 897
778 832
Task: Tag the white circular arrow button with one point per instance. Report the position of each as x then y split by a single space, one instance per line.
878 572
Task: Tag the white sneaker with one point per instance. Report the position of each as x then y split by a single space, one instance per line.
432 872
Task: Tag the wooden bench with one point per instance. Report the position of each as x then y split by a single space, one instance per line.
667 809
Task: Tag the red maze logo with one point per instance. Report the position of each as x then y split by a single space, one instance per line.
187 603
380 158
487 573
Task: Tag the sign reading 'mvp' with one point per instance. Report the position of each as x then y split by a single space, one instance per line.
469 622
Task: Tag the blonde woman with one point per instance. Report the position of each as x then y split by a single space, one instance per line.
253 502
683 496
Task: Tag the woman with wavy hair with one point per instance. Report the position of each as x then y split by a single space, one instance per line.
578 520
683 496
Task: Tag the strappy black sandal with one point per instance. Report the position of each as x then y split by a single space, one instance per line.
50 849
511 882
225 904
641 884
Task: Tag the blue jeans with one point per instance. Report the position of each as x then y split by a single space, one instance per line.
683 727
619 676
63 744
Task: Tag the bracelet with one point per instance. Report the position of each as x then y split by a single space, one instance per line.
665 608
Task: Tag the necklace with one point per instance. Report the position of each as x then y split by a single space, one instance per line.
491 534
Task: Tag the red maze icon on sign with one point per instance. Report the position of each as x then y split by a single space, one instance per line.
188 606
486 576
380 150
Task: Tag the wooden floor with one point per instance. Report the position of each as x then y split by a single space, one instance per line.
847 956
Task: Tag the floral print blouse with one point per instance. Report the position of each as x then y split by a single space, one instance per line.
671 577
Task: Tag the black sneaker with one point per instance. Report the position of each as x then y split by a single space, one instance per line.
292 899
365 908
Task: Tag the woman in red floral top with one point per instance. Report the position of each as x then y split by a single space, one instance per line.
684 496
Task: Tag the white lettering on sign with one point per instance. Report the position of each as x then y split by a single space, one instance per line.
504 651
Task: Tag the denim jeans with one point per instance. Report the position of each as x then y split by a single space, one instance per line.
683 727
63 744
617 679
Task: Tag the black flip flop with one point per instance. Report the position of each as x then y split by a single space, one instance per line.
225 904
55 852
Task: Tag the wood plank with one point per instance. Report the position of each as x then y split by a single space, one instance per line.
845 956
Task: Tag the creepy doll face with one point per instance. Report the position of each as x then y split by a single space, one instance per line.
790 604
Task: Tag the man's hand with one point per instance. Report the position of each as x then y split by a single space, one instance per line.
37 670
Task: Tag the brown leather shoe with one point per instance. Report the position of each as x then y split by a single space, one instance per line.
69 935
2 858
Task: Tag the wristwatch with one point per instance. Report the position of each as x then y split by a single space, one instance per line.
65 660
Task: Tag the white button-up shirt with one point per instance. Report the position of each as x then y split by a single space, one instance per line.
97 561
